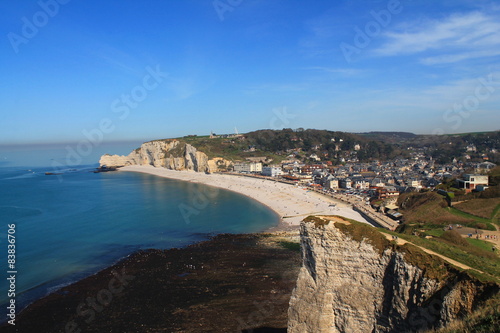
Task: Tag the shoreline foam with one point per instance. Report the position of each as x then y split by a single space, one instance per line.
291 203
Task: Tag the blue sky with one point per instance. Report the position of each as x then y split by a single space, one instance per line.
129 70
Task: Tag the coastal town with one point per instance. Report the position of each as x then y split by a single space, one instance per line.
367 172
250 166
373 188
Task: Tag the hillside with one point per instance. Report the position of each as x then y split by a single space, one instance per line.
283 144
338 146
444 148
390 137
312 146
430 210
427 223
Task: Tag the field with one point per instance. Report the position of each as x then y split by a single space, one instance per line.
470 255
484 208
480 244
429 210
427 214
481 223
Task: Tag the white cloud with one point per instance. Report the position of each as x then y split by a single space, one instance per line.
452 58
458 37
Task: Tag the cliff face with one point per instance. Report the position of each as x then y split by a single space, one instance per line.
347 285
172 154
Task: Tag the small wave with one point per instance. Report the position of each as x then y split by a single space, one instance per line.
31 174
53 289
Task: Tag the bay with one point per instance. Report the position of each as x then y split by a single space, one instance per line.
72 225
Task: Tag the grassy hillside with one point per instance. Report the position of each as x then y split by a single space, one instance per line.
468 254
484 208
335 145
427 215
232 149
279 144
483 205
429 210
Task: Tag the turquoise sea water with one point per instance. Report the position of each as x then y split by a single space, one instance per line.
72 225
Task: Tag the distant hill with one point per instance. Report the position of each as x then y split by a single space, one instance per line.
444 148
389 137
311 145
281 144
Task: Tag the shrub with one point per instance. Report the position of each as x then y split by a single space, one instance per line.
455 238
481 226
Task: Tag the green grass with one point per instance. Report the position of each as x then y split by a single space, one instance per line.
433 267
435 232
481 244
482 207
357 230
467 215
479 221
228 148
495 217
429 209
427 214
292 246
361 231
473 257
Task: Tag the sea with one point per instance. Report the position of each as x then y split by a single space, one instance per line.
75 222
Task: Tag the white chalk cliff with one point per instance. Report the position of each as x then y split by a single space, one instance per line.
169 154
348 285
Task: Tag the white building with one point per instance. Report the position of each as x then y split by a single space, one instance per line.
332 183
271 171
469 182
414 183
471 148
248 167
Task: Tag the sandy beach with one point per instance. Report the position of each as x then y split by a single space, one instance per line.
291 203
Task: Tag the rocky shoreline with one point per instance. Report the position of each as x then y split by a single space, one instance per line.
230 283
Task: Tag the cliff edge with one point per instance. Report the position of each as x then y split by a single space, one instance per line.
170 154
354 280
